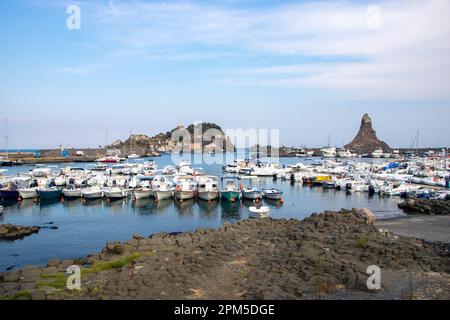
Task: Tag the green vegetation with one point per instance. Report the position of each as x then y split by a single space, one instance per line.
18 295
57 281
109 265
363 242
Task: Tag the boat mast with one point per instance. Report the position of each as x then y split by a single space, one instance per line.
6 137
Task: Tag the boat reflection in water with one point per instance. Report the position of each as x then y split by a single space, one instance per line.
230 210
208 209
185 208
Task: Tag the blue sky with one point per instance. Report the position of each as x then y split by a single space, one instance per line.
310 69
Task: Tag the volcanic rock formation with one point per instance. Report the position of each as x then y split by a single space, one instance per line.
366 141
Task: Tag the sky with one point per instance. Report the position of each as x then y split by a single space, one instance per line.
308 68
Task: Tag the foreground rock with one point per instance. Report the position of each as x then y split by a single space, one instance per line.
426 206
14 232
324 256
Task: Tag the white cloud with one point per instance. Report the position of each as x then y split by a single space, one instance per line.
406 58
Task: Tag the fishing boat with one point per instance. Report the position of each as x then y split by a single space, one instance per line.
109 159
252 193
273 194
262 212
10 193
207 188
185 189
134 156
92 193
377 153
230 189
328 152
49 193
142 193
344 153
71 191
113 193
263 170
29 192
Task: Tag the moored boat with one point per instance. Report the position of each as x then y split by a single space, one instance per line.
50 193
230 191
252 193
273 194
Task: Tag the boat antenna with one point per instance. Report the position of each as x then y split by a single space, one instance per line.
6 137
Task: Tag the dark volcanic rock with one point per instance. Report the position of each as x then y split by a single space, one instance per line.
323 256
14 232
366 141
426 206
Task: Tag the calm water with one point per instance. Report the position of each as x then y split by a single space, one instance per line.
85 228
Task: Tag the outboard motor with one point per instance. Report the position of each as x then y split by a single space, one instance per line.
371 190
348 186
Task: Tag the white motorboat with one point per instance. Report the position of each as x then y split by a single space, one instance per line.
273 194
377 153
185 189
263 170
134 156
344 153
92 193
73 193
251 193
169 171
207 188
262 212
28 193
114 193
328 152
142 193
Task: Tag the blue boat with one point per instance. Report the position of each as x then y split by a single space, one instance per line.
9 195
49 193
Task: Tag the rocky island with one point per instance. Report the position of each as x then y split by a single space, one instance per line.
200 137
325 256
366 141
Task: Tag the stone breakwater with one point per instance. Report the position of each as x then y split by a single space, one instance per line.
15 232
324 256
426 206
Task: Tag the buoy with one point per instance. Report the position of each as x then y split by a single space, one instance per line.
62 199
257 200
233 200
108 200
282 200
35 200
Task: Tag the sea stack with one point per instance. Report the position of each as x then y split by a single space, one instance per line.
366 140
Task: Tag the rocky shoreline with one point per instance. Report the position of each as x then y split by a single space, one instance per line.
13 232
325 256
426 206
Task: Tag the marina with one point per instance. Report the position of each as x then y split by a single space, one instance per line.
93 204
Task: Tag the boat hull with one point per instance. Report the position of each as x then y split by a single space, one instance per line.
28 193
231 196
184 195
93 194
208 195
252 195
49 195
72 193
162 195
9 195
114 194
142 194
